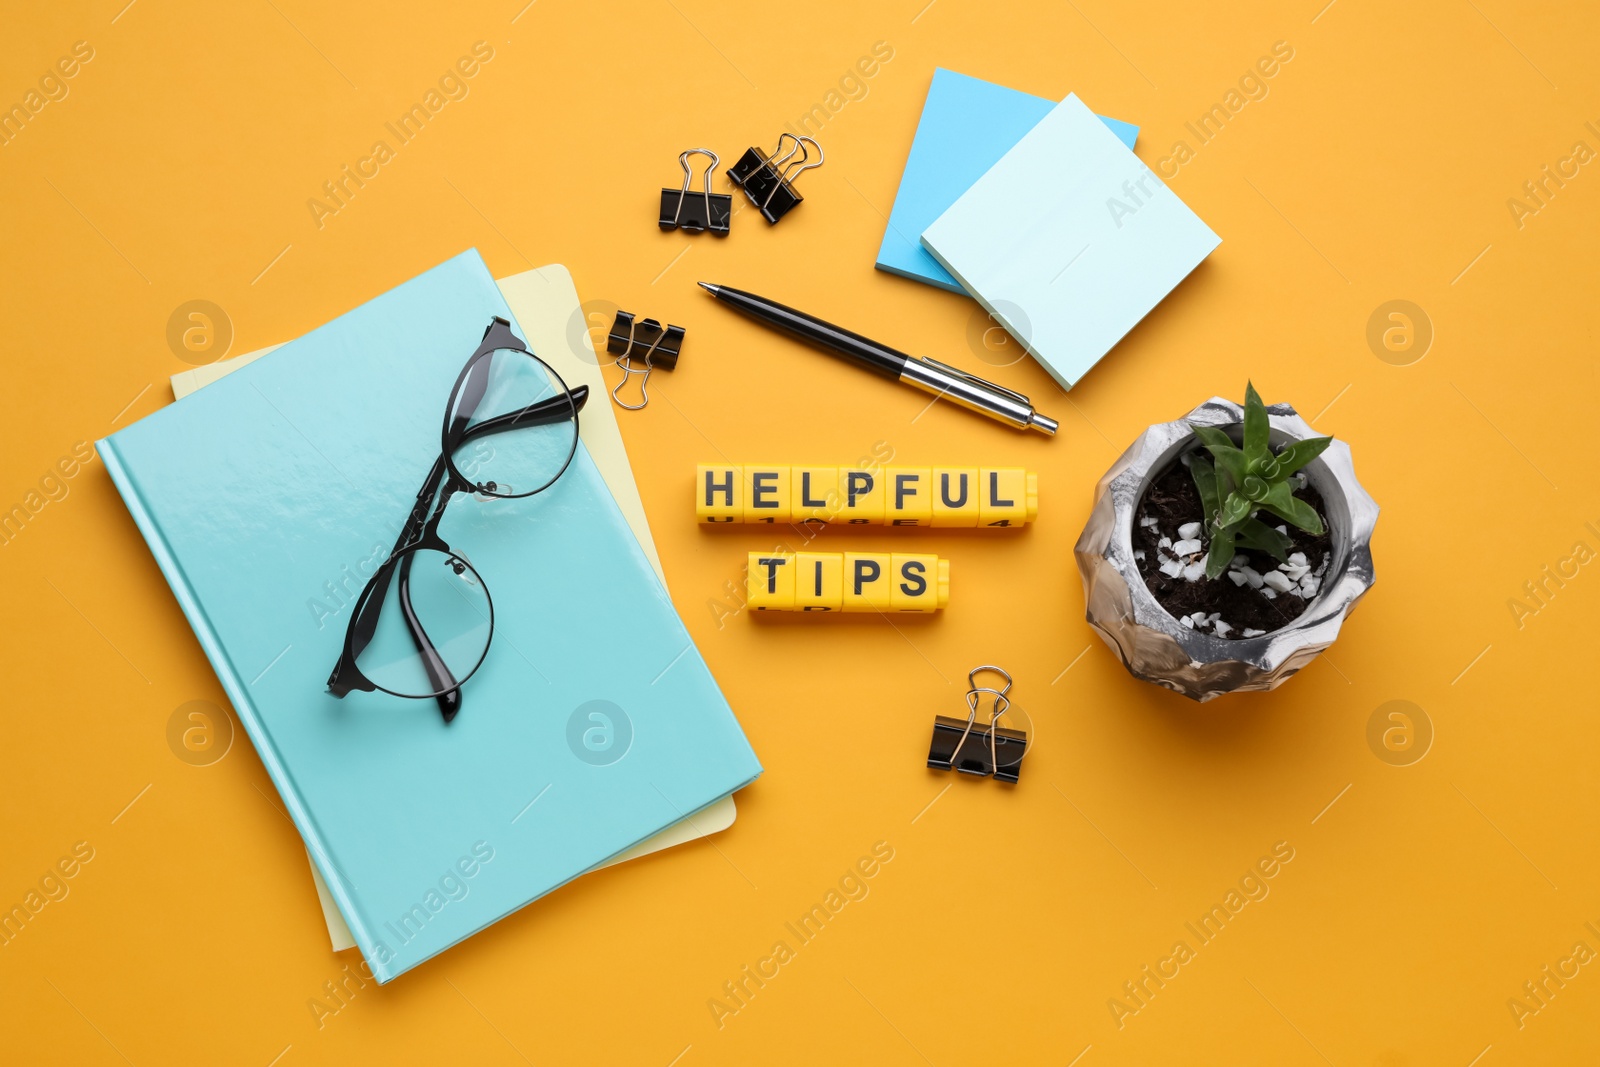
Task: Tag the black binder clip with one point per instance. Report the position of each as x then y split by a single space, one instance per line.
640 346
769 180
977 748
696 212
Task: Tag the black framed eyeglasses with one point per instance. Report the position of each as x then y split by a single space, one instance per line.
422 625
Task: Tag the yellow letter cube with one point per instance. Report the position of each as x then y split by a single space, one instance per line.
867 581
908 496
770 581
766 493
955 496
817 496
920 582
819 581
719 493
863 496
1010 497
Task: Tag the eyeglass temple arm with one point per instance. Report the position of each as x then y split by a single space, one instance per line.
364 624
542 413
439 675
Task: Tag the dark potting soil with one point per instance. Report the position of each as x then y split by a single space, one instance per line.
1173 500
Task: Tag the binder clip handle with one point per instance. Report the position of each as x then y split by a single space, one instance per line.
630 369
661 346
688 174
973 687
700 210
793 170
996 751
776 159
976 692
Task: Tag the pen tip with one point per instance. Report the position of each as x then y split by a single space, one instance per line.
708 287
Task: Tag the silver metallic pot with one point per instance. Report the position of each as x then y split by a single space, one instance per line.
1152 643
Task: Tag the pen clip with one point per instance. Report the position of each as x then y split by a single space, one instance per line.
973 379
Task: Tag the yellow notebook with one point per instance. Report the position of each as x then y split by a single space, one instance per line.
546 306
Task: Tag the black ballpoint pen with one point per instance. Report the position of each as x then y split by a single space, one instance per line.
929 375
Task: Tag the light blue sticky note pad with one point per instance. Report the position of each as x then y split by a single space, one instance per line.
967 124
1069 240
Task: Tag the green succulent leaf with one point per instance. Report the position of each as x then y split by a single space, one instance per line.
1282 502
1230 470
1257 431
1253 533
1230 460
1212 437
1300 453
1205 480
1255 488
1220 553
1234 511
1279 494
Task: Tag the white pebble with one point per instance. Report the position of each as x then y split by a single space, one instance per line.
1189 530
1294 573
1199 618
1194 571
1149 520
1187 622
1277 580
1322 566
1240 559
1252 577
1281 529
1297 558
1187 547
1253 633
1222 628
1184 459
1269 594
1172 568
1138 554
1165 542
1308 587
1237 576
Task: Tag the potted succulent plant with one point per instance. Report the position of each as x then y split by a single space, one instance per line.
1225 549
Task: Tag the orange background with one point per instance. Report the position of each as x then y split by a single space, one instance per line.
1378 167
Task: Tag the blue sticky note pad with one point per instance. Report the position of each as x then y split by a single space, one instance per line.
967 125
1069 240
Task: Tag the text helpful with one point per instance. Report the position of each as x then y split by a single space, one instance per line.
847 581
888 496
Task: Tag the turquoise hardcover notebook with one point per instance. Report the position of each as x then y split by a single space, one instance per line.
265 498
967 124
